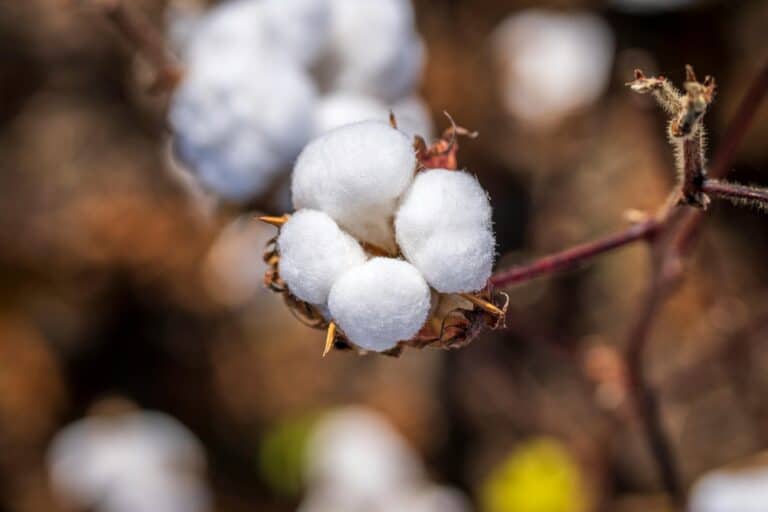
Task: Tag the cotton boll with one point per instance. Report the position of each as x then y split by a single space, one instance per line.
429 498
239 119
380 303
298 27
354 457
373 48
314 253
342 108
230 274
443 228
110 461
722 491
552 63
234 25
413 118
355 174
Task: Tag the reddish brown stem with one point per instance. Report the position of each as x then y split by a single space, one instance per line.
736 192
574 256
140 33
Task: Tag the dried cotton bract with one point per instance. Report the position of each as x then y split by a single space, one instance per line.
363 191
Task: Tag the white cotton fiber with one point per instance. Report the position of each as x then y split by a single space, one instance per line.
235 25
355 457
298 27
373 48
443 228
730 491
314 253
538 48
239 119
355 174
342 108
380 303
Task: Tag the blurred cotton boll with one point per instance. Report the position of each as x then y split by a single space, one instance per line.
239 119
354 457
122 460
743 490
233 274
374 48
552 63
341 108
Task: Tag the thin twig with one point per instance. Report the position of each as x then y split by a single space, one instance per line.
571 257
145 39
736 192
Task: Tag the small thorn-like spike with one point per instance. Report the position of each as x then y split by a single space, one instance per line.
330 337
392 120
275 221
483 304
690 76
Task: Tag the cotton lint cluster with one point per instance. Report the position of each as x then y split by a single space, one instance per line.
376 240
263 77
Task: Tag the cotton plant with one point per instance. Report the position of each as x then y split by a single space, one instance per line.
262 77
356 461
121 459
390 244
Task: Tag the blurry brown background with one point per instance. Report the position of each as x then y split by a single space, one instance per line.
103 257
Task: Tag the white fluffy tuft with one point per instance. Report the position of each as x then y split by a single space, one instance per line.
355 174
380 303
443 228
239 119
374 48
342 108
314 253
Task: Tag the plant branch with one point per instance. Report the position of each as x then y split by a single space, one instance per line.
145 39
574 256
736 193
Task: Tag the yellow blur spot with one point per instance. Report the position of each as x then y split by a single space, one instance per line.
539 476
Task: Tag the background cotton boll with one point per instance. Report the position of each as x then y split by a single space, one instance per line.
314 253
380 303
552 63
354 455
113 460
355 174
429 498
443 227
298 27
232 276
373 48
722 491
227 27
342 108
413 118
239 119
